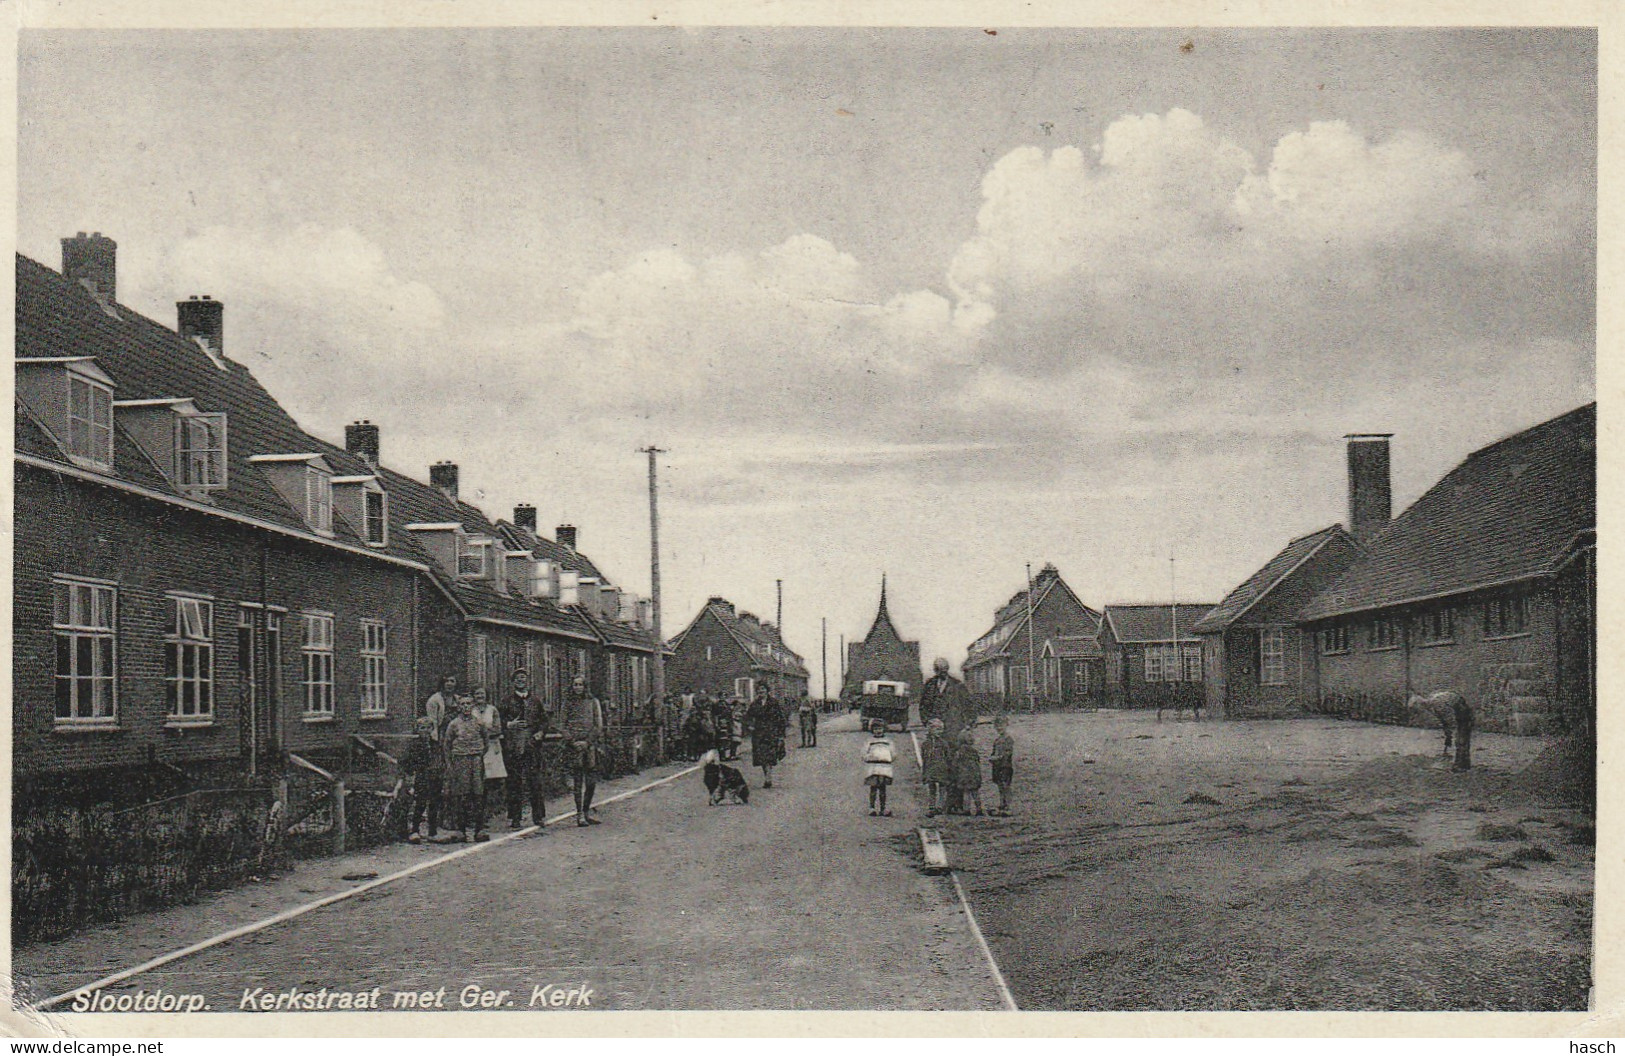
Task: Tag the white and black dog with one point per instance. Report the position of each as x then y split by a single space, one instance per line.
723 780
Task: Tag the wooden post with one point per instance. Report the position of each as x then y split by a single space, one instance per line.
339 826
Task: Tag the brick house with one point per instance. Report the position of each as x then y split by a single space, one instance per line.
1152 657
726 653
1256 659
882 654
197 582
999 663
1485 585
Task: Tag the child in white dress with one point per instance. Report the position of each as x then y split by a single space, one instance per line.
877 769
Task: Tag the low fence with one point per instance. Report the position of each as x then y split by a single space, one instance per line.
74 865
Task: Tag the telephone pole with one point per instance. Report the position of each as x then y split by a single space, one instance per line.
778 627
659 673
823 654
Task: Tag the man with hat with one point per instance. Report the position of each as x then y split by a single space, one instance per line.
524 726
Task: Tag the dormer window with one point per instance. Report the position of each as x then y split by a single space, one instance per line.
319 499
200 452
90 420
364 504
474 559
376 531
305 482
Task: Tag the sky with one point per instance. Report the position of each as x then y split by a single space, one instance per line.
938 304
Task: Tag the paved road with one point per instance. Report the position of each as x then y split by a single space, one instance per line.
797 901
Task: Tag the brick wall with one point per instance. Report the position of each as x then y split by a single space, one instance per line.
689 671
72 527
1508 680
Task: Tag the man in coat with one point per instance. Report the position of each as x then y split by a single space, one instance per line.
945 697
584 733
524 725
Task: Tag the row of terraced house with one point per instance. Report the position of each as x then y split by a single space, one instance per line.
204 591
1486 585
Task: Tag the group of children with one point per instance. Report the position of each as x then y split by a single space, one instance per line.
951 766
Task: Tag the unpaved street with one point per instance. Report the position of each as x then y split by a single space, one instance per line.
1308 864
797 901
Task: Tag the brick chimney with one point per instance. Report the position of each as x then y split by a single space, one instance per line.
92 259
361 439
566 535
203 317
1370 502
443 475
524 516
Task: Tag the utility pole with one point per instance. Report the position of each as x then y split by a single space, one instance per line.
823 654
659 673
778 627
1173 612
1032 693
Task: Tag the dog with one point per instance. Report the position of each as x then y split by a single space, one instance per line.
724 780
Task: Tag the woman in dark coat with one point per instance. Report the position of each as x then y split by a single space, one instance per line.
766 722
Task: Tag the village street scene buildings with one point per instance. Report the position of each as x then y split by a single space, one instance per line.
814 518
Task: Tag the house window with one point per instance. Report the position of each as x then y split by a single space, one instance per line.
376 516
90 421
1153 663
200 451
473 558
1506 616
318 656
1435 628
1272 657
477 647
1383 634
744 687
1192 655
189 659
86 652
318 499
374 668
1334 639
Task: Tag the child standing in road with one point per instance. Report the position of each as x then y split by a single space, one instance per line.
877 769
968 771
1003 759
465 742
426 766
936 767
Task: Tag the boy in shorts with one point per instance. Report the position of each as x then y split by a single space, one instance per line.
1003 759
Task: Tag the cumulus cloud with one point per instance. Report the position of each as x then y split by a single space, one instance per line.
337 272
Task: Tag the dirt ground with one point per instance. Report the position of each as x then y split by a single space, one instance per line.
1308 864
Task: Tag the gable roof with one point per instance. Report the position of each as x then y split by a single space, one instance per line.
57 317
1275 571
1510 512
1012 616
1154 623
757 638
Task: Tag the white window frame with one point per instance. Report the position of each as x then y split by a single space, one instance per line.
374 669
1272 661
319 500
1445 618
1190 657
1153 663
470 547
85 611
1498 617
189 688
1375 636
381 538
200 467
317 659
90 432
745 688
